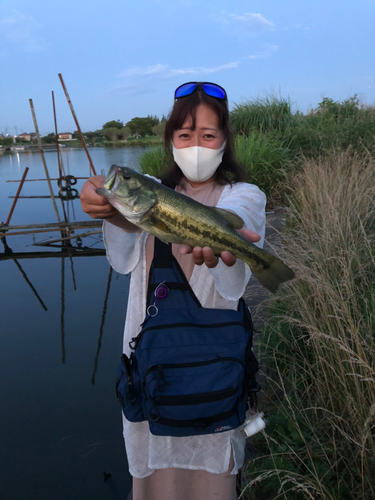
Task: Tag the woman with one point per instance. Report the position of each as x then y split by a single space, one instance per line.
198 133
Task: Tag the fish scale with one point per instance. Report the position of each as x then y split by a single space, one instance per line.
187 228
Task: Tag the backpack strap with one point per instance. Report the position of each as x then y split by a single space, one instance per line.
165 269
162 255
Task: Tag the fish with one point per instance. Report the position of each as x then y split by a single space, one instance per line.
175 218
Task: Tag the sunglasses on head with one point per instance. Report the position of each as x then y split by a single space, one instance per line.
208 88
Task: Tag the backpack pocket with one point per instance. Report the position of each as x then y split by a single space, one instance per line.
210 393
128 389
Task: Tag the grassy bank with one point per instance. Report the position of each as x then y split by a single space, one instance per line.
271 139
318 349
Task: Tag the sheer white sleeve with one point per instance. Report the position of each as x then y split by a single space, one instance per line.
123 249
248 202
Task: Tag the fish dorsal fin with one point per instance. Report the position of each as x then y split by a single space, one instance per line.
234 220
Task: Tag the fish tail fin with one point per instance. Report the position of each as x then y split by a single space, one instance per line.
272 272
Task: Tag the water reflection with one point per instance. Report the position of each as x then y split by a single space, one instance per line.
30 284
60 341
102 326
62 316
67 251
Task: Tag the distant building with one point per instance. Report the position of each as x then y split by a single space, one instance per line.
25 136
65 136
28 137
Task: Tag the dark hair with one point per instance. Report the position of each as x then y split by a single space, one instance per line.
228 171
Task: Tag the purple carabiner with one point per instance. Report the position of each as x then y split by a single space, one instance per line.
161 291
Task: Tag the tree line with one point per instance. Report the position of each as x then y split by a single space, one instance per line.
116 130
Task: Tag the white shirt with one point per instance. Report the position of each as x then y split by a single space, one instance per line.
220 287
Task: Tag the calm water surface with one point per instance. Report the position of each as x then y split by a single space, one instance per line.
61 322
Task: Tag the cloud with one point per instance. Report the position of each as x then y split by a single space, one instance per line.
200 70
141 79
164 71
21 30
245 25
147 71
267 52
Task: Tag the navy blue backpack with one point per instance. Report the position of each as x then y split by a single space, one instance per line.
192 369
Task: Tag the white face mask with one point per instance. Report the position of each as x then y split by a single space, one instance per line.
198 163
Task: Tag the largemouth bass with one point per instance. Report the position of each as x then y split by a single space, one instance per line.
175 218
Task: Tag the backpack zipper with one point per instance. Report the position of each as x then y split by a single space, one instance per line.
193 364
191 399
136 340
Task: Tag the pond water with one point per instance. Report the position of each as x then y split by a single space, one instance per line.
61 322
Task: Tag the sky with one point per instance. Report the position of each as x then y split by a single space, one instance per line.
121 59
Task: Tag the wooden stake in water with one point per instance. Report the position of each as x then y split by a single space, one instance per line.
59 159
17 195
44 160
77 124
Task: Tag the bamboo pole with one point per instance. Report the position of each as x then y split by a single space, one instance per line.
67 238
57 226
44 160
88 252
59 159
42 197
51 179
43 231
17 196
77 124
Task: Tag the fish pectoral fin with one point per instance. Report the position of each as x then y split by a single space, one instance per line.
234 220
160 226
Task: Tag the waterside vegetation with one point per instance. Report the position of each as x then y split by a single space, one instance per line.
271 140
318 346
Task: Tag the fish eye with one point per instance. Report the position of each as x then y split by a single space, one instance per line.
126 176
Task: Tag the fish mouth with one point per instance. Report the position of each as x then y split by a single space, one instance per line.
112 181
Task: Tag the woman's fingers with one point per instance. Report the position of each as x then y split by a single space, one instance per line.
249 235
228 258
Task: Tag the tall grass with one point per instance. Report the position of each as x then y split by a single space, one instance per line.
263 159
262 115
319 345
153 162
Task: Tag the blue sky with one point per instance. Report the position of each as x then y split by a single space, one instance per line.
121 59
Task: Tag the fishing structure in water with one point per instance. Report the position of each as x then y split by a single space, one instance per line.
64 182
69 230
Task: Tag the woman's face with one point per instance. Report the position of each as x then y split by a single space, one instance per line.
207 133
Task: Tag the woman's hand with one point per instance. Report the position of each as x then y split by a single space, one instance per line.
206 256
93 204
